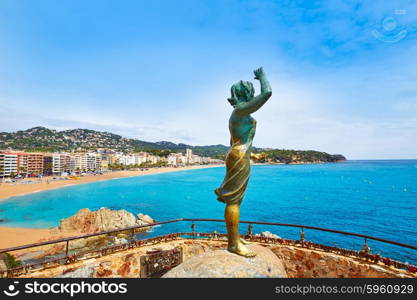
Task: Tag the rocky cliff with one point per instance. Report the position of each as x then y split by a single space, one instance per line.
223 264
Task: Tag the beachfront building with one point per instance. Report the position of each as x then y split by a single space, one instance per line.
136 159
209 160
14 163
176 159
48 164
85 162
171 160
106 157
8 164
141 158
78 162
61 162
25 163
196 159
93 161
189 155
104 165
30 163
153 159
111 158
125 159
205 160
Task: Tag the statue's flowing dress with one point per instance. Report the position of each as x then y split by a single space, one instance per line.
236 180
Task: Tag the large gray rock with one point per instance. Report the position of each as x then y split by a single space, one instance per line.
83 272
223 264
144 219
104 219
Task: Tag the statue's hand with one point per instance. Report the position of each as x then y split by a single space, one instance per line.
259 73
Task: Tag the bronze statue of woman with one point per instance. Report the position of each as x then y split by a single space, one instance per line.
242 130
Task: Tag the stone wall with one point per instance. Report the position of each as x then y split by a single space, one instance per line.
307 263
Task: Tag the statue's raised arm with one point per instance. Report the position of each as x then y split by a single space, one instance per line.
254 103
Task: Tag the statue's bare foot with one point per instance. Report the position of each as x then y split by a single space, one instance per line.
242 250
245 242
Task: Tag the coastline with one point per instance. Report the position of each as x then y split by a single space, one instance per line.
8 190
18 236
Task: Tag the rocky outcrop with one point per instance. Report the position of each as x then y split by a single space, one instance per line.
144 219
87 221
223 264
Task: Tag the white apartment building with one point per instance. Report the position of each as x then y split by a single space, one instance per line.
137 158
176 159
172 159
61 162
78 162
153 159
57 166
126 160
189 156
141 157
85 161
197 159
93 161
8 163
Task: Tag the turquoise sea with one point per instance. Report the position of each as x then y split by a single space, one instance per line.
378 198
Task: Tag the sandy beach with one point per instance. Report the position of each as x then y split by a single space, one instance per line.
12 236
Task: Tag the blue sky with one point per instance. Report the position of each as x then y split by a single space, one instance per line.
343 73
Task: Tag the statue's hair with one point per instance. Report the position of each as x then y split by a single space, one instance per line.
241 90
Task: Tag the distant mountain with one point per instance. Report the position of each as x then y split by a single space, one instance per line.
48 140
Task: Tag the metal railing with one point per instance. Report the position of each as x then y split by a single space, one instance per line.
68 258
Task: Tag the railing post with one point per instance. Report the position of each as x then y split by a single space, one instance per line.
66 252
250 230
193 229
302 235
366 248
215 235
133 238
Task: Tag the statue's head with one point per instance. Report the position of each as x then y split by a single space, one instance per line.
242 91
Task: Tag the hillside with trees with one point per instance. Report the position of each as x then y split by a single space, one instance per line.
41 139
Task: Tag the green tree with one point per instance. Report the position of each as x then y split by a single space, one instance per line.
10 261
23 170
